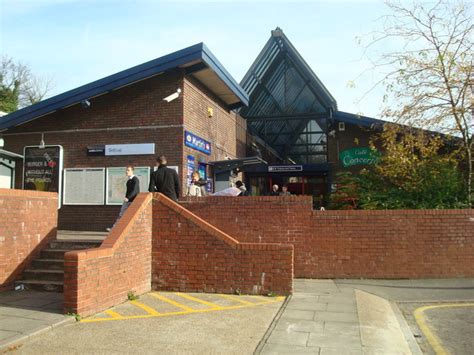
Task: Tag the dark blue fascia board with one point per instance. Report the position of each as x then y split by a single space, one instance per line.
120 79
351 118
224 75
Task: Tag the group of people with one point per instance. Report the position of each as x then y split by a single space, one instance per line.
163 179
284 191
166 181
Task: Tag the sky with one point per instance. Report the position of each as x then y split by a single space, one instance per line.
77 42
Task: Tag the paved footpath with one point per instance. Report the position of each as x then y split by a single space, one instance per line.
325 318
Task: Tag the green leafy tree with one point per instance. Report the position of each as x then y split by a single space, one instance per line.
19 87
416 170
424 50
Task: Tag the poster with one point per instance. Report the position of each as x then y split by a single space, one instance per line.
84 186
42 168
190 166
116 183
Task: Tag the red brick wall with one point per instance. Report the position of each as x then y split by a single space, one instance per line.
346 244
133 114
225 129
27 222
392 244
194 256
96 279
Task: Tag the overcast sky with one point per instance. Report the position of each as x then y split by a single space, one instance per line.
76 42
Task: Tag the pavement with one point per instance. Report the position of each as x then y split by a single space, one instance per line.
26 314
321 317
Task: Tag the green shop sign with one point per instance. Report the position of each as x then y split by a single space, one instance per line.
358 156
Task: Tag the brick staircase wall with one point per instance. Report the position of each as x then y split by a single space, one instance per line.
191 255
28 221
96 279
349 244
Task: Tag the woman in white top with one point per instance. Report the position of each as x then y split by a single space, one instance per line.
194 189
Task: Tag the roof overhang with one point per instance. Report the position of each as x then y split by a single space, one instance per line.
241 163
5 154
197 61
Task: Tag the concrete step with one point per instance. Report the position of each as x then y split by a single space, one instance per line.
57 254
48 264
74 244
41 285
41 274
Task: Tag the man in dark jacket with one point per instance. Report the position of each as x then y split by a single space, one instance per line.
133 189
165 180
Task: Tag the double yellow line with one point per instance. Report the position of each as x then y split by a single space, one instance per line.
184 309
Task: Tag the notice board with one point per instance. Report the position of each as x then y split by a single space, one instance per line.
84 186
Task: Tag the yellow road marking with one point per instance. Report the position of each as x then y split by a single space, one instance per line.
225 308
236 299
432 338
146 308
113 314
170 301
191 298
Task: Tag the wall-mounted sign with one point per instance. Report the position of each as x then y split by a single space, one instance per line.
42 168
197 143
358 156
130 149
96 150
284 168
84 186
121 149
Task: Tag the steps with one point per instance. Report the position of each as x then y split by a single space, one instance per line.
47 272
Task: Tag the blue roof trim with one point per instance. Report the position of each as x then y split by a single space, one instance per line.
196 52
216 66
351 118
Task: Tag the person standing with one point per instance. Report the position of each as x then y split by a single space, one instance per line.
165 180
194 189
240 185
274 191
133 189
284 191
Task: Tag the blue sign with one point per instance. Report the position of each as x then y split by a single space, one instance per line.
197 143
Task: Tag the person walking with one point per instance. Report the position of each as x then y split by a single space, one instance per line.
194 188
165 180
133 188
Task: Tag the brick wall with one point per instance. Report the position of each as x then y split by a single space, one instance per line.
96 279
27 222
347 244
191 255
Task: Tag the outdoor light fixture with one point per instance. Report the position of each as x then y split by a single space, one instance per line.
42 145
172 96
85 103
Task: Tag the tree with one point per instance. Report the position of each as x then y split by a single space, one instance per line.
416 170
429 81
19 87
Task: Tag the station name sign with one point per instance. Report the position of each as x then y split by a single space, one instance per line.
121 149
284 168
198 143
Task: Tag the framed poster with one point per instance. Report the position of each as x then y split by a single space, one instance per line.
84 186
42 169
116 183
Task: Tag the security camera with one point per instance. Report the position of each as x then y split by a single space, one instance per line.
85 103
172 96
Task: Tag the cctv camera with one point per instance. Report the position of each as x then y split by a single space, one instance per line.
85 103
172 96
